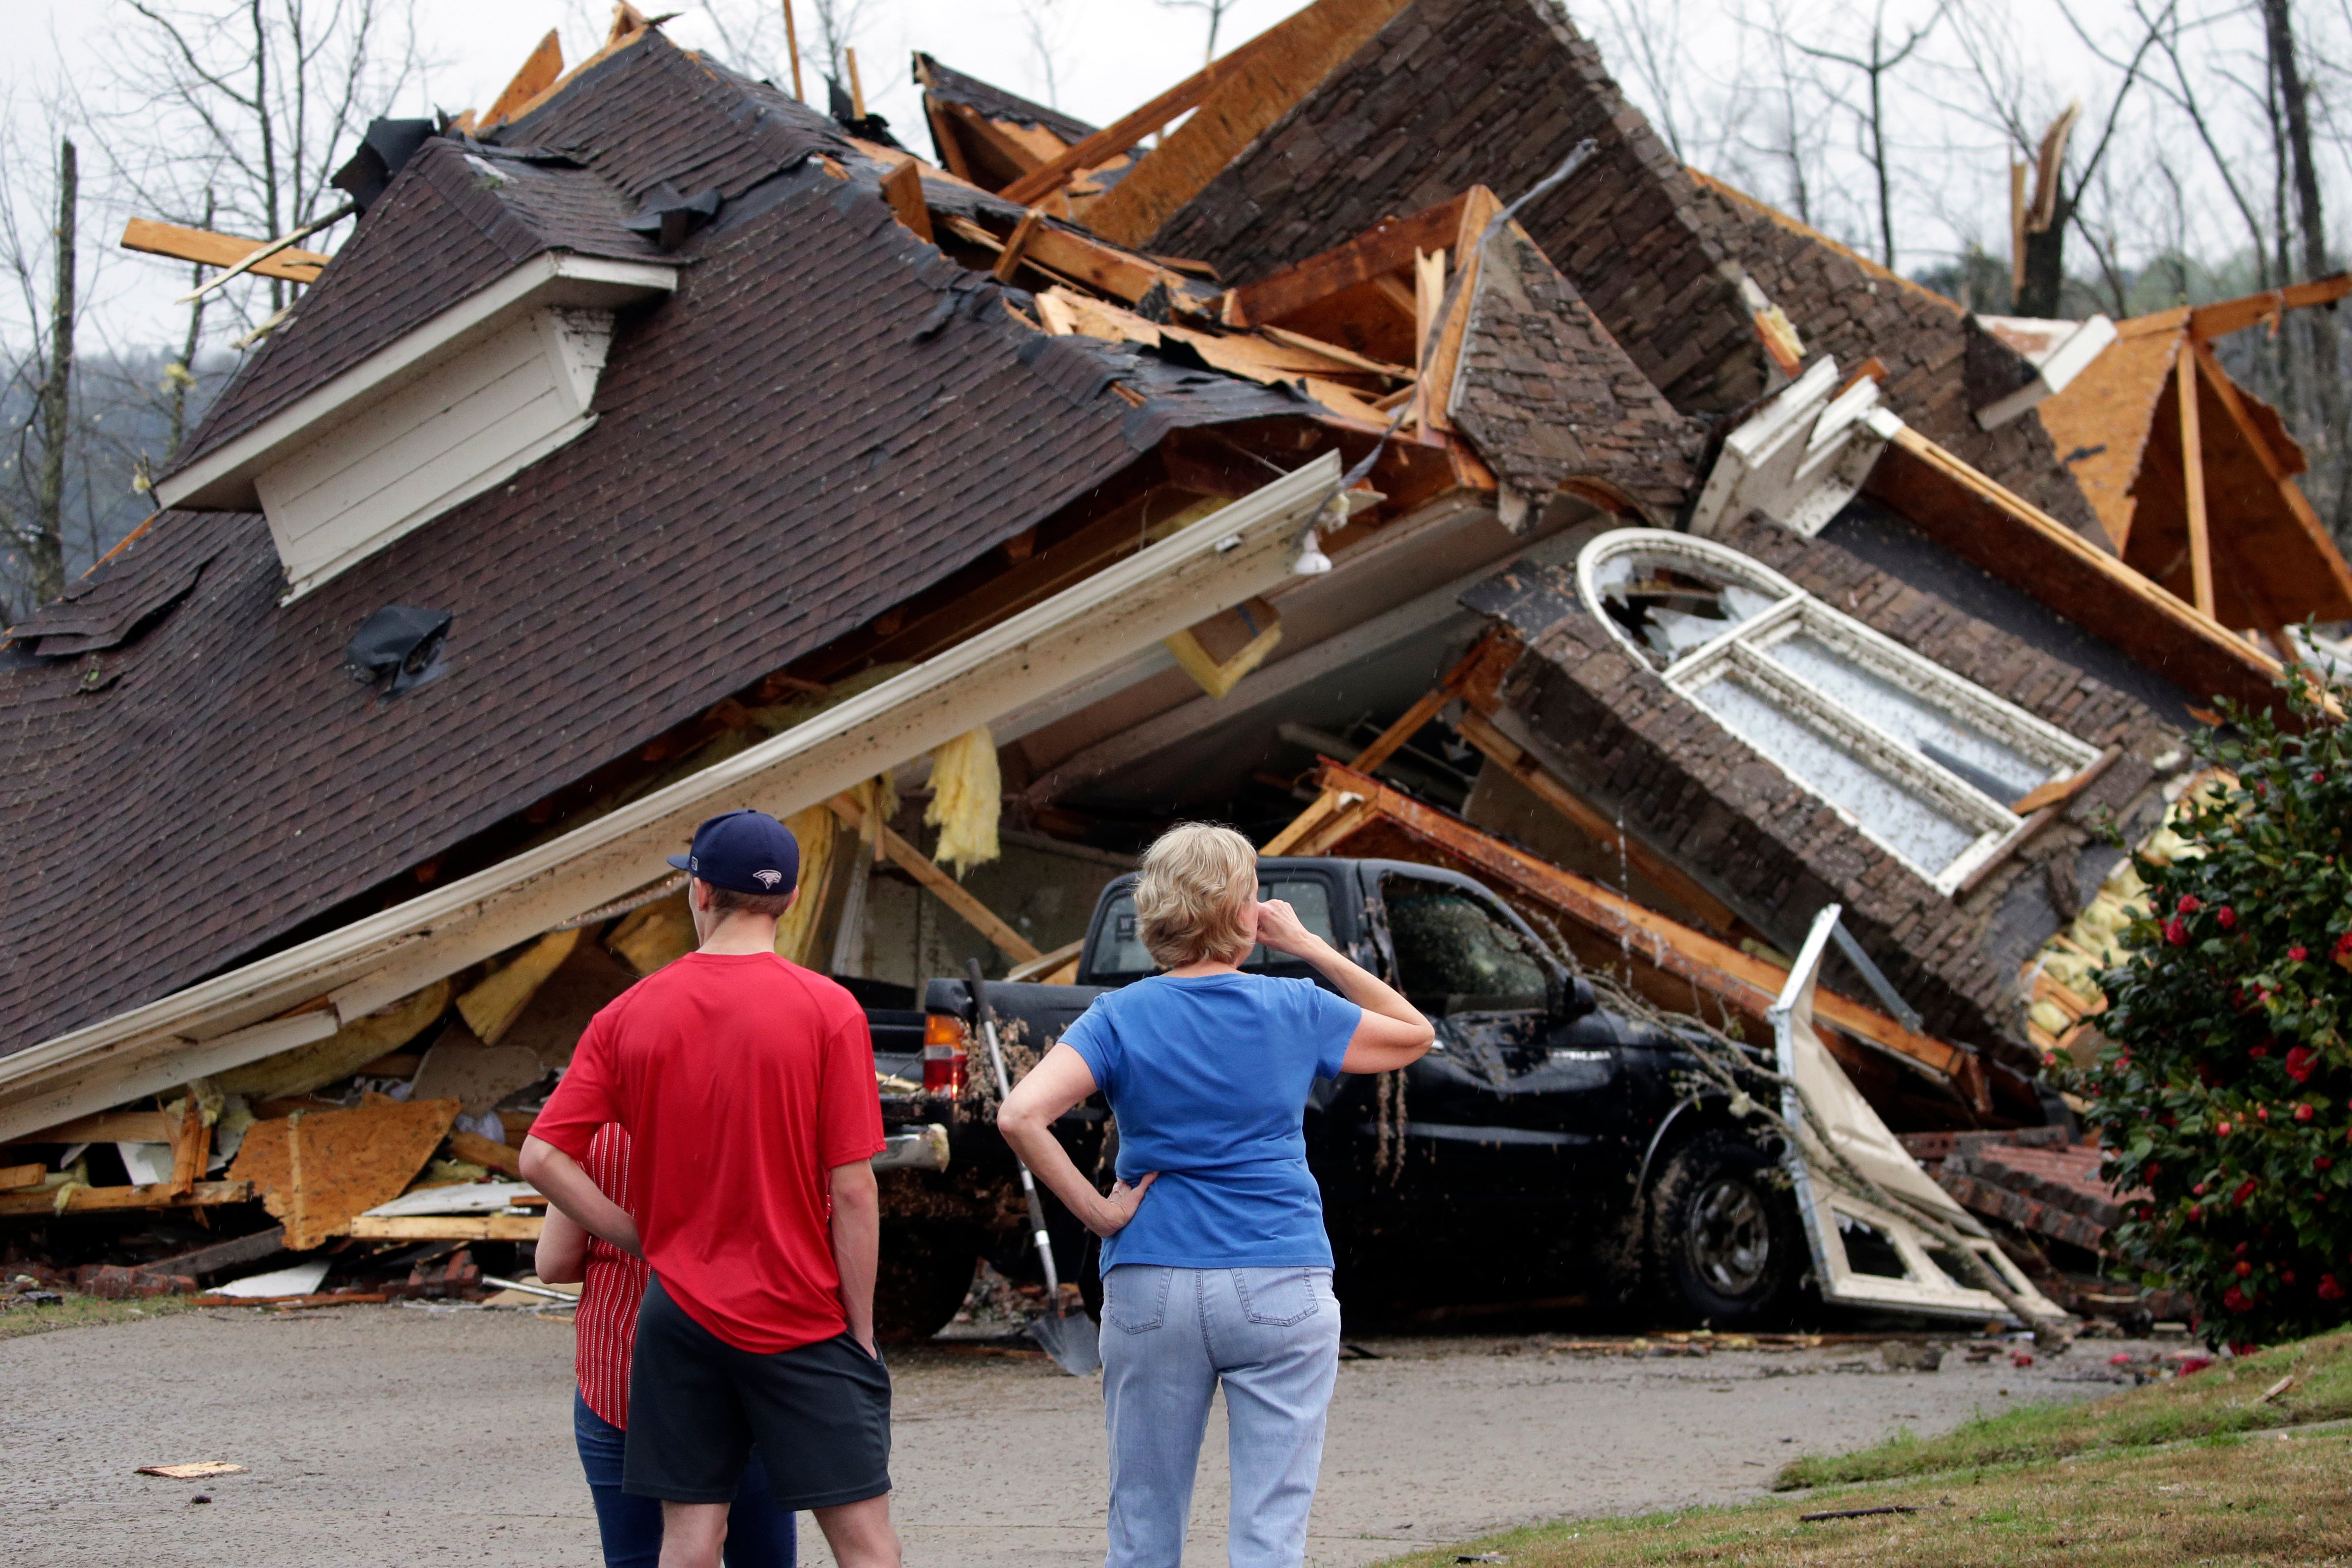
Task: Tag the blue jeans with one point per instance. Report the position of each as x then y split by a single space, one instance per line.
1169 1337
759 1533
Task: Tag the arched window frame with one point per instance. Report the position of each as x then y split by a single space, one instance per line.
1742 652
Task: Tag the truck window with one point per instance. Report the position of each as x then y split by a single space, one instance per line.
1119 951
1456 955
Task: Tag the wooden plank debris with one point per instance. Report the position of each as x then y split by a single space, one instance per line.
482 1151
154 1196
540 71
903 189
1009 262
946 889
210 249
2192 468
195 1471
446 1227
14 1176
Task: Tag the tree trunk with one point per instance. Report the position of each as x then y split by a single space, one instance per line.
2311 224
2045 263
48 551
186 376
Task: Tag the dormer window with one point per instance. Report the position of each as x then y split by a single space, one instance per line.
1922 761
451 409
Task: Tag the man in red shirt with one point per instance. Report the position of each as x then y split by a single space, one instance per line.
746 1084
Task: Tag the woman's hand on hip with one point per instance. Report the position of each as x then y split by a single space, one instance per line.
1112 1214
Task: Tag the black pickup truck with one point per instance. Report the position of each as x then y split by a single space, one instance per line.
1546 1152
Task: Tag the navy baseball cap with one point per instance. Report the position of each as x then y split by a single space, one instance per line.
744 852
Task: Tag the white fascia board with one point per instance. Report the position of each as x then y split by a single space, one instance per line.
1242 550
223 480
2053 371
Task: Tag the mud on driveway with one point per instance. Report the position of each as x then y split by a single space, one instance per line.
398 1436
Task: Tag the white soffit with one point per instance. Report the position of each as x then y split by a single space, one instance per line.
223 480
1242 550
2058 350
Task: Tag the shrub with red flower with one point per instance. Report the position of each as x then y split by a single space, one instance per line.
2218 1013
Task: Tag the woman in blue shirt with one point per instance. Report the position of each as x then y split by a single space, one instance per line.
1224 1276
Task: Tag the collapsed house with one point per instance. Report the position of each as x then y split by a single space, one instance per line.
659 445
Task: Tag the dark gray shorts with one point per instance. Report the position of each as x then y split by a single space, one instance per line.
820 1415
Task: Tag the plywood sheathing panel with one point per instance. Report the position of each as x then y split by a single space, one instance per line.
2100 421
2269 569
1546 396
459 1067
1776 851
1454 93
350 1161
1308 46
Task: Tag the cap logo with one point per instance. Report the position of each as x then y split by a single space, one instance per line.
767 878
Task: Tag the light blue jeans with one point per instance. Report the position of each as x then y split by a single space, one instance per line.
1169 1337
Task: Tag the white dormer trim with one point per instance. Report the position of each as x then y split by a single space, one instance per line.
2058 350
1800 457
454 407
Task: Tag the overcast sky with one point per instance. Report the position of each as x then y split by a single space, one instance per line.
1110 55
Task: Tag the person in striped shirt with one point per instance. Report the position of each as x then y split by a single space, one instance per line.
611 1285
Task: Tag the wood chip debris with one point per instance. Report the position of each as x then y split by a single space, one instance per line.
193 1470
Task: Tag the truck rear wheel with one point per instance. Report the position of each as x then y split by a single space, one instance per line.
1723 1247
923 1277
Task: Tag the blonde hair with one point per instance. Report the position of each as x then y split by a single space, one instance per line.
1197 896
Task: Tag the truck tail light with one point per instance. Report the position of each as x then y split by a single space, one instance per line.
943 1057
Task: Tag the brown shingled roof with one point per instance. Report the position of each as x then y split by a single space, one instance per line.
828 417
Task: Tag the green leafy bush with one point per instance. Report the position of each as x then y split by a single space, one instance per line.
2221 1094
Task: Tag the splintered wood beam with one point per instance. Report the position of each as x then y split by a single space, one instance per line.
2192 470
1547 786
943 131
903 189
1123 133
153 239
1476 677
191 1145
154 1195
1392 740
2226 316
446 1227
948 891
482 1151
1386 248
2040 809
1025 230
538 74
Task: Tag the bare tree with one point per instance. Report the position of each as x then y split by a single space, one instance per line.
1876 66
1043 21
33 522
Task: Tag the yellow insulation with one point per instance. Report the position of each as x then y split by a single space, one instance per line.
816 828
967 796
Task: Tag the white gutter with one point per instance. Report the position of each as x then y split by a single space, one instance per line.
240 1017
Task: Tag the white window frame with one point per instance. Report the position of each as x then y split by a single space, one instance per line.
1739 650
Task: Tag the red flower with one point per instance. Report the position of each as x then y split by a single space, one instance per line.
2344 942
2259 1052
2196 1213
2175 932
2147 1211
2198 1190
2318 776
2244 1191
2227 916
2189 904
2244 1268
2153 1171
2299 1061
2261 1113
2303 1113
2224 1130
2329 1291
2322 1162
2296 954
2286 1275
2237 1300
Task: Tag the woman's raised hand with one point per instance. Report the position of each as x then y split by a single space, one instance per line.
1279 928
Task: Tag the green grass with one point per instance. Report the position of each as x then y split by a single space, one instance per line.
2224 1398
85 1312
2233 1500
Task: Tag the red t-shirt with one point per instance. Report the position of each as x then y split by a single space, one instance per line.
612 1287
742 1081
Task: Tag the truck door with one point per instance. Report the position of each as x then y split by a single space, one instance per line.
1513 1103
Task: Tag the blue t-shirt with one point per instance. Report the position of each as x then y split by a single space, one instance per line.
1209 1078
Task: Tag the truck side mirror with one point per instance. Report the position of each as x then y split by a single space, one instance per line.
1573 998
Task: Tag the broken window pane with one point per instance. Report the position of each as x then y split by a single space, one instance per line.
1984 762
1894 812
1670 605
1456 955
1868 1251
